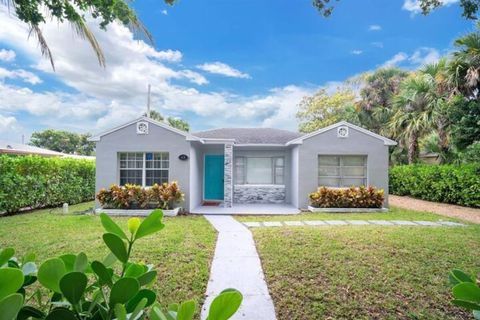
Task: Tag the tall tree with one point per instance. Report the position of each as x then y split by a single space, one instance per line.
323 109
63 141
36 12
377 91
174 122
469 7
414 114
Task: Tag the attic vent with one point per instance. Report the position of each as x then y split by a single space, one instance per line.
142 127
342 132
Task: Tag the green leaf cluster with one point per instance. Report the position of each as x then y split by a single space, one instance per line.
465 291
34 182
457 184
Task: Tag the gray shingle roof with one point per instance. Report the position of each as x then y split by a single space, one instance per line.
250 135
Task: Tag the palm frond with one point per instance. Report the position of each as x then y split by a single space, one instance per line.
44 49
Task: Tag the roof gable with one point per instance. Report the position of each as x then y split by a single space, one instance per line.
150 120
386 141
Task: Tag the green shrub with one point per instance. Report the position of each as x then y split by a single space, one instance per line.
457 184
362 197
33 181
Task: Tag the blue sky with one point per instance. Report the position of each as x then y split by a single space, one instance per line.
215 63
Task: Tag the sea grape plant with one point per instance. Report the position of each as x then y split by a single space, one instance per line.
465 291
70 287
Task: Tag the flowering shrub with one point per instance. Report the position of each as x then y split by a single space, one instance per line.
361 197
164 196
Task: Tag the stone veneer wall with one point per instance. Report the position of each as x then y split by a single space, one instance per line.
228 176
258 193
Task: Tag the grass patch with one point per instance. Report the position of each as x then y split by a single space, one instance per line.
181 252
393 214
366 272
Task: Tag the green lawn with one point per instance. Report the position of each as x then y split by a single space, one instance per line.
367 272
393 214
181 252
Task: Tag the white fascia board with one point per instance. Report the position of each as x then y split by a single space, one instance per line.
386 141
157 123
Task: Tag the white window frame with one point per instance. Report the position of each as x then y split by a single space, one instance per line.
144 165
244 164
340 176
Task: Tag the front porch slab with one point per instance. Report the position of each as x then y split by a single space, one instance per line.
247 209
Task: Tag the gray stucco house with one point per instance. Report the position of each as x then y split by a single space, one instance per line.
234 167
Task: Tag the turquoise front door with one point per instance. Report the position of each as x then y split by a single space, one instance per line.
213 184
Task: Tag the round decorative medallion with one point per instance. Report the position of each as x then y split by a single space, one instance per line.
142 127
342 132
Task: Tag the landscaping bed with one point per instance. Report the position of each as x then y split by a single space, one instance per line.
366 272
181 252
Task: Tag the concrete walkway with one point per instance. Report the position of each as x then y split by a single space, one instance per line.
444 209
236 265
254 224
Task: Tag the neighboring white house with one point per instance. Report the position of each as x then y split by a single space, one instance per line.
238 166
7 147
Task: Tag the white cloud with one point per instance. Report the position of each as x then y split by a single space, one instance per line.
414 6
99 98
356 52
419 57
7 123
377 44
395 60
7 55
24 75
424 56
375 27
222 69
164 12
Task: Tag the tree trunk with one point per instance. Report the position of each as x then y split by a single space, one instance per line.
412 148
443 138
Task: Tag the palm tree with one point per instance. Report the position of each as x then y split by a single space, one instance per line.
464 68
443 91
414 114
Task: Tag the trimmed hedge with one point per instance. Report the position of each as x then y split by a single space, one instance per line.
35 182
457 184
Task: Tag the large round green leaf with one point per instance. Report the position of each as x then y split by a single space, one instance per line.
151 224
186 310
69 261
147 277
11 280
5 255
61 314
123 290
225 305
81 262
73 286
28 312
467 291
102 272
134 270
111 227
50 273
10 306
142 294
116 245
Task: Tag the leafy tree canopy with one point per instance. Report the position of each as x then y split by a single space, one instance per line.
323 109
470 7
174 122
36 12
63 141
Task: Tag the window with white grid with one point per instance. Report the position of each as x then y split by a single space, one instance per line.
342 171
143 168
